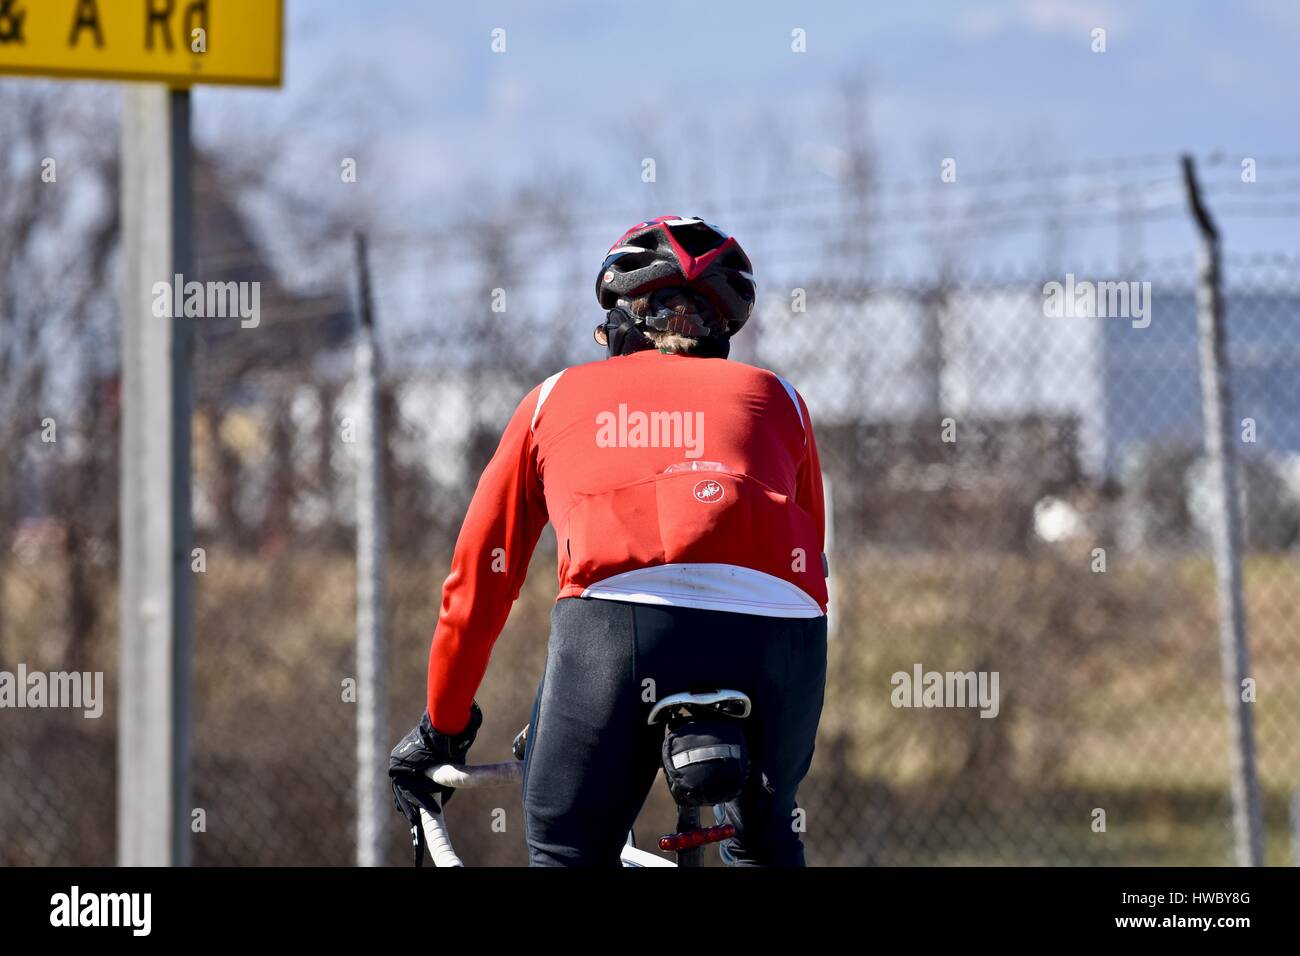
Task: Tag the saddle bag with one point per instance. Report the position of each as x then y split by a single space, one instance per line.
705 762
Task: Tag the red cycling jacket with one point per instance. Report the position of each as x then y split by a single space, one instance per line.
669 479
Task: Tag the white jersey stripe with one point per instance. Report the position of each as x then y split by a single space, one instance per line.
711 587
798 409
541 397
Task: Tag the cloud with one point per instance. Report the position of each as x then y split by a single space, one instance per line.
1036 16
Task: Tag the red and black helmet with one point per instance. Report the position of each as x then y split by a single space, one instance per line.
676 252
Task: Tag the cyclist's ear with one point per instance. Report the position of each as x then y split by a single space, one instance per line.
600 335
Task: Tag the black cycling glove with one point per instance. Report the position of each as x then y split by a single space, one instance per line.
420 750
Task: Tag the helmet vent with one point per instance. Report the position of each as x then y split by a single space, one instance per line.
733 259
647 240
741 286
631 261
697 238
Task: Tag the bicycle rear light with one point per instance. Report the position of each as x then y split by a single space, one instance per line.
690 839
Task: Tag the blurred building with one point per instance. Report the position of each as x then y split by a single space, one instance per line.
1151 376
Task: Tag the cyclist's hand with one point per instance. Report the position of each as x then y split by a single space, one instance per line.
423 749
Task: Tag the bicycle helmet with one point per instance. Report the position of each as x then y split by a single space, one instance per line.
672 255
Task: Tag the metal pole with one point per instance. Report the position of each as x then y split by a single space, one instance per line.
1227 539
155 615
688 818
1294 816
930 359
372 773
832 612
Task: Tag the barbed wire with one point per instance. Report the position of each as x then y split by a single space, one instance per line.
593 217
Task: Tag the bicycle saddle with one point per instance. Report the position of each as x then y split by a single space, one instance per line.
701 705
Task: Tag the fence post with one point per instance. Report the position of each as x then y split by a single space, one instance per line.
155 611
1216 405
933 302
832 612
1295 827
372 779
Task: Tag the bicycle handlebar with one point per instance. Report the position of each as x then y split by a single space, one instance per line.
438 840
436 836
472 777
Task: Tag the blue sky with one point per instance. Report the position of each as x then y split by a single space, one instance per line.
714 92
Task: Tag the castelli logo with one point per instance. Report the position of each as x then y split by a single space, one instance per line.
708 491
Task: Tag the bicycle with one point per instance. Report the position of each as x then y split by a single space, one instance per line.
679 713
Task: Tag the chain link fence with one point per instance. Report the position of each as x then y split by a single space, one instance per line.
1014 493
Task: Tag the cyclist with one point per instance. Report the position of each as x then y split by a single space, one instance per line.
686 495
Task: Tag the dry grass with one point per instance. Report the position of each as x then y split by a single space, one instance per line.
1109 685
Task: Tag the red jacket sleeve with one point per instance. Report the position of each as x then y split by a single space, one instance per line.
495 545
809 492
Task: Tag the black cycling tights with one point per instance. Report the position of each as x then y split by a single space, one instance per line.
592 758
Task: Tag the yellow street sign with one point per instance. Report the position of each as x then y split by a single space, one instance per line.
178 42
